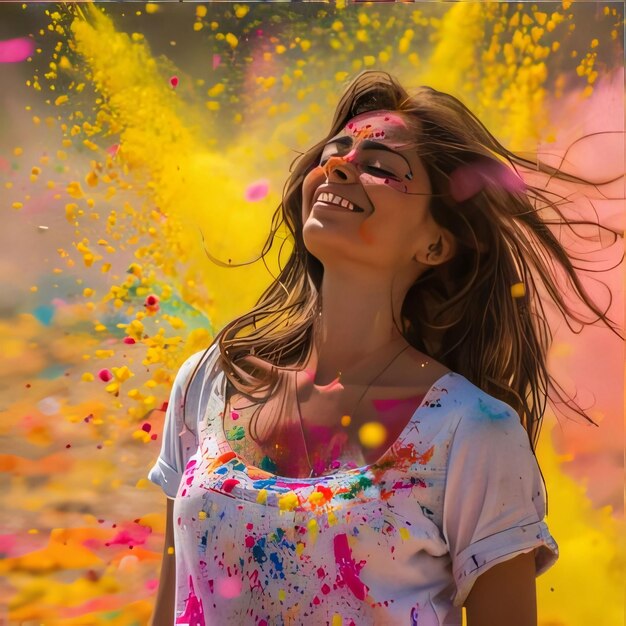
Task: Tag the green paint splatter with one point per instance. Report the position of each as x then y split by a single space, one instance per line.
267 464
235 433
358 485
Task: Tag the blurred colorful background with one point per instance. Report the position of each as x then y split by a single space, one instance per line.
133 137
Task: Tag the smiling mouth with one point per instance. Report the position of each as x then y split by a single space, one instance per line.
338 202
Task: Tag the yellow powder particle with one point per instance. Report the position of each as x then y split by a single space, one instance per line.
518 290
372 434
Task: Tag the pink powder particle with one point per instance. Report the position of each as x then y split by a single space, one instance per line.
258 190
174 81
129 340
105 375
16 50
228 587
217 59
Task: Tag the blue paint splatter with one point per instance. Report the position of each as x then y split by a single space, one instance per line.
278 564
490 413
258 552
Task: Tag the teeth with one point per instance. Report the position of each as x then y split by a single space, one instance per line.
334 199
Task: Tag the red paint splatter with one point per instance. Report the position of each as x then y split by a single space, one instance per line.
229 484
174 81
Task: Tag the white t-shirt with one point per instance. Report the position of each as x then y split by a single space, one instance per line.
401 542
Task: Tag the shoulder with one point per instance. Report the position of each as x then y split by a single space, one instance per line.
483 420
196 367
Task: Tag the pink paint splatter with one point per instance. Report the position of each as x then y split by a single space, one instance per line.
16 50
194 613
348 568
258 190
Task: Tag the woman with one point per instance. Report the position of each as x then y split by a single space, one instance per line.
358 449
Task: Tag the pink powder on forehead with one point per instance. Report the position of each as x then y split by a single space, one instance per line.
377 125
391 118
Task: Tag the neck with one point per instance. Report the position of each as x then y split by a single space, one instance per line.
356 320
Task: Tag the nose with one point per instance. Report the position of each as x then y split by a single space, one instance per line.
338 169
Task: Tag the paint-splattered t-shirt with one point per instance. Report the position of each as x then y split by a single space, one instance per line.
399 542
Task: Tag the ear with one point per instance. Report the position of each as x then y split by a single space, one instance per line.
442 248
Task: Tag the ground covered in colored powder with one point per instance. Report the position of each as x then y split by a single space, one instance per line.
135 136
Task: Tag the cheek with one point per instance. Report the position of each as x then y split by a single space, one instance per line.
311 182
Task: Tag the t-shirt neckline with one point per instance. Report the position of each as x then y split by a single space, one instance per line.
224 445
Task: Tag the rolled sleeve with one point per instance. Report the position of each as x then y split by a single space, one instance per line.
494 502
179 439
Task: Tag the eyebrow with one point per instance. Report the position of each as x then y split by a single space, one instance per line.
369 145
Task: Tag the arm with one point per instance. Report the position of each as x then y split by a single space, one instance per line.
164 608
504 594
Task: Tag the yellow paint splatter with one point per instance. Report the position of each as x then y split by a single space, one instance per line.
288 501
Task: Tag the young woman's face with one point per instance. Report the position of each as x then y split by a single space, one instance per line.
367 199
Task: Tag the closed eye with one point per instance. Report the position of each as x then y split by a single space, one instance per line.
381 172
372 169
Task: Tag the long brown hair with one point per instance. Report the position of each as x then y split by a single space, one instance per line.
461 313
